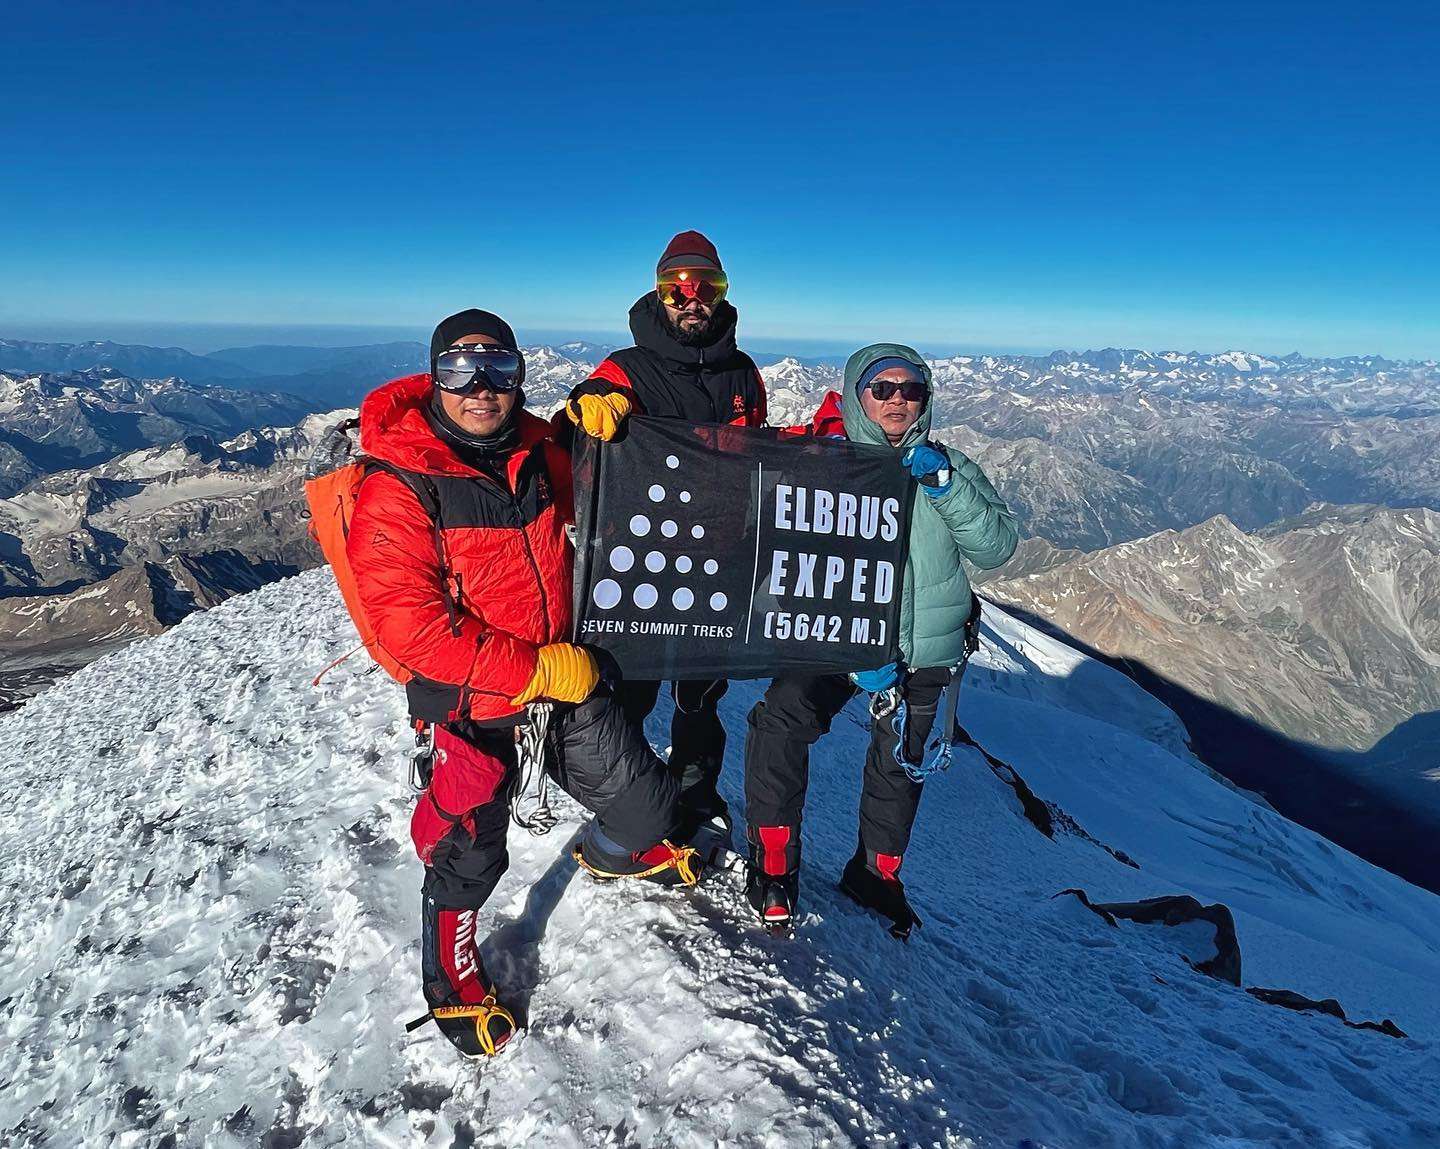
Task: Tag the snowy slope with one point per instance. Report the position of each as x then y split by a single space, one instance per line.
211 909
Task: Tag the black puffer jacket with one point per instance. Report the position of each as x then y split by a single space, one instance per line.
717 383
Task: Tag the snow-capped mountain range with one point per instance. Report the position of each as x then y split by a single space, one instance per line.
241 493
1356 385
212 907
50 422
1105 448
1199 458
95 558
1092 451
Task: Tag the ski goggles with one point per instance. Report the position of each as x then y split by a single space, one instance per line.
678 287
465 369
911 390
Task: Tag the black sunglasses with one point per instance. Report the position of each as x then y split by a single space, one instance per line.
912 390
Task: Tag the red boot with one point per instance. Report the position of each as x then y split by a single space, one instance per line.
772 878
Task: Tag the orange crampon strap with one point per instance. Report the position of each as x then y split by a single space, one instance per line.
682 860
482 1012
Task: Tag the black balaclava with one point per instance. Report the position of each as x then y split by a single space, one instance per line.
457 326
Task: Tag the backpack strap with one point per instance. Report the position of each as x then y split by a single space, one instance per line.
423 487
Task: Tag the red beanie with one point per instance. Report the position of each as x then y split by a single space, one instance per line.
689 249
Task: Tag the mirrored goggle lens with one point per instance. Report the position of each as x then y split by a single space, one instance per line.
911 390
461 371
677 288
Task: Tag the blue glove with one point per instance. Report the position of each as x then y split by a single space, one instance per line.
882 678
930 467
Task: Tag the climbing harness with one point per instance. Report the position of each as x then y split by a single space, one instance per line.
947 730
939 749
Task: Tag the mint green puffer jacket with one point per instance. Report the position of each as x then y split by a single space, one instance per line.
968 521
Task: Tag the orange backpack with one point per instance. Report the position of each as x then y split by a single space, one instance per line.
332 484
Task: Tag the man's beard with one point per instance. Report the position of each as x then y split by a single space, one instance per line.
701 336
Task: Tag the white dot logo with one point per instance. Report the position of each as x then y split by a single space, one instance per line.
683 564
711 566
639 526
669 529
607 593
697 531
646 596
654 562
718 601
657 493
683 599
672 462
622 559
684 496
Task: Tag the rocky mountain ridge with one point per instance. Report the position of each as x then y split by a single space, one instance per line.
198 494
1336 610
46 636
1304 658
28 356
50 422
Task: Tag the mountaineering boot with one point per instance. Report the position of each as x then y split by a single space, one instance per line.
461 998
664 863
873 880
702 809
701 806
772 879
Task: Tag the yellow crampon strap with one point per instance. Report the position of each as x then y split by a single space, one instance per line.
681 860
482 1012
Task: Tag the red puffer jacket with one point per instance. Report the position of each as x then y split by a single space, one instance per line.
505 554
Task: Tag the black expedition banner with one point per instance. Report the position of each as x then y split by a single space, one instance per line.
730 552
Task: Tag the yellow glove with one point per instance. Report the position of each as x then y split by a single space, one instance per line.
563 672
599 416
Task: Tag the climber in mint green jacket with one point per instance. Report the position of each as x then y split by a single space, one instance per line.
962 517
886 402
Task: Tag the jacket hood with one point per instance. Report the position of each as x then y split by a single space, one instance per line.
394 429
828 422
650 332
859 427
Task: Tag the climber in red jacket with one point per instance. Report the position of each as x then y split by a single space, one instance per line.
463 570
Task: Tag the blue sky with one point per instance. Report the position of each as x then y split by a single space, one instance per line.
1185 176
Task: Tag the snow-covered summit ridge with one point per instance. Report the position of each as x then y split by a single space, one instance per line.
211 908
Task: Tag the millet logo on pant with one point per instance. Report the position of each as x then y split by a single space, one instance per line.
464 955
